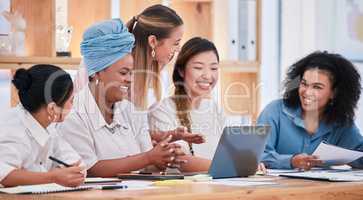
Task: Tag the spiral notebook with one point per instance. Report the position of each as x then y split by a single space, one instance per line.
42 189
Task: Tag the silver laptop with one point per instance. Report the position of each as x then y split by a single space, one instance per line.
239 151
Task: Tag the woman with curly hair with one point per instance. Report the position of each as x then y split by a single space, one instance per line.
321 94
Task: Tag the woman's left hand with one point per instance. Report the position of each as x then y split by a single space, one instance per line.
183 134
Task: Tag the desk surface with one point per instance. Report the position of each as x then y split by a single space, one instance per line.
286 189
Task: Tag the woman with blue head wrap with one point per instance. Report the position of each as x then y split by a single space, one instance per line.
105 128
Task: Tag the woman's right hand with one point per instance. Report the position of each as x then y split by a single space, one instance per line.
305 162
70 177
165 154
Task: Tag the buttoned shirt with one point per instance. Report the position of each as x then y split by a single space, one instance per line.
289 137
94 139
25 144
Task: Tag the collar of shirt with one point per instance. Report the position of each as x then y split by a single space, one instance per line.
295 115
90 107
39 133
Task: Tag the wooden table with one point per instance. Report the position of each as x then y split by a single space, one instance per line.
286 189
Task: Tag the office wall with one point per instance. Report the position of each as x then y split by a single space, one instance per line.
270 69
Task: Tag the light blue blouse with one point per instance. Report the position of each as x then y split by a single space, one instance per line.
289 137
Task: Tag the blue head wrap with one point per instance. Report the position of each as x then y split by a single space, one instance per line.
105 43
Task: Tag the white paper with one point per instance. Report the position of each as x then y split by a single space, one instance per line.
333 155
101 180
326 174
277 172
138 185
249 179
242 181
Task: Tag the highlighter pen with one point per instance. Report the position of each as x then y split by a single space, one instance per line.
59 161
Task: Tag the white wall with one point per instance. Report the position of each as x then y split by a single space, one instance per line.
269 76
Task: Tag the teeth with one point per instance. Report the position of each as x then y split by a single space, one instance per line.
308 101
204 84
124 88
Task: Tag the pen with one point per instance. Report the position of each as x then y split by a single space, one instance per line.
59 161
112 187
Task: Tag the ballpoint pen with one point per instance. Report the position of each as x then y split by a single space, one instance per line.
59 161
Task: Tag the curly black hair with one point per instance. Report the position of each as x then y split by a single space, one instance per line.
346 83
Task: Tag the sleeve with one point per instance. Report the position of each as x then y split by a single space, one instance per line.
270 157
78 135
162 118
65 152
13 154
351 138
142 134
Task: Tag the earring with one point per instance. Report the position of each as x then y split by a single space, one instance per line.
153 53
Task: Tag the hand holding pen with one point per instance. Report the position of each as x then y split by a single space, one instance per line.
70 176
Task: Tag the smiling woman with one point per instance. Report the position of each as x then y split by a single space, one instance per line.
158 31
105 128
318 106
195 74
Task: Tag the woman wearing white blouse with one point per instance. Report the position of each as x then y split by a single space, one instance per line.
110 134
26 137
195 75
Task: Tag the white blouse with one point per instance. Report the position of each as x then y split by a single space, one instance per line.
89 134
25 144
208 119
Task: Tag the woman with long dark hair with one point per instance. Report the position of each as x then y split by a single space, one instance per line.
195 75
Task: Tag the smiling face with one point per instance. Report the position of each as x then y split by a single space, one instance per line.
116 79
315 90
166 48
201 74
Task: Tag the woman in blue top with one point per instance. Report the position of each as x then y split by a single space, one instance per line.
321 94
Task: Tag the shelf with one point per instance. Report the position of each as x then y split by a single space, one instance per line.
26 62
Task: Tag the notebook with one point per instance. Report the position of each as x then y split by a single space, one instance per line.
42 189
